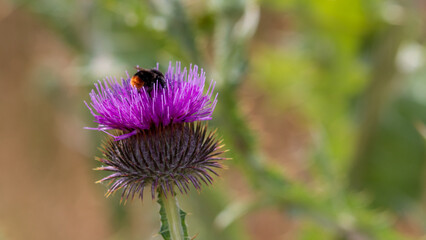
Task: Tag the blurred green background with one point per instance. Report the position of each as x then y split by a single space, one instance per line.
321 103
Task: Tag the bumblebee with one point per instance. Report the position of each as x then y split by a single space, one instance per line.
146 78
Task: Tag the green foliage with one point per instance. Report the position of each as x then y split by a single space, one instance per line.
397 143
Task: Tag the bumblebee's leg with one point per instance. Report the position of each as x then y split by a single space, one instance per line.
161 81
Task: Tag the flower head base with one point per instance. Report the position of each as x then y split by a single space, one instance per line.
123 107
167 158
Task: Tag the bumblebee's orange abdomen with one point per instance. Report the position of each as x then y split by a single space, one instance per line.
136 82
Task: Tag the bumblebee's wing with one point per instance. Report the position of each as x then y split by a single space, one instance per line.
156 72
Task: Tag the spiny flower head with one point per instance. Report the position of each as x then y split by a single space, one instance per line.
163 142
119 105
165 157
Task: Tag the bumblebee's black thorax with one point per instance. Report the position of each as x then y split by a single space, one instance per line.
151 76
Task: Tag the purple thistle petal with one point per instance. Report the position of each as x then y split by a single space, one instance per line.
118 105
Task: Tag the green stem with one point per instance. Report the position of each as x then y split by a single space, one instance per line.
173 217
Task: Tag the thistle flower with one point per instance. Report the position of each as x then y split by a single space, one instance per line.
163 142
174 155
123 107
